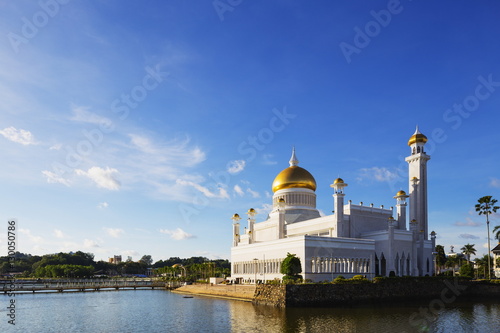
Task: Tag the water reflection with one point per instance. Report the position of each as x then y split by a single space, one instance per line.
459 317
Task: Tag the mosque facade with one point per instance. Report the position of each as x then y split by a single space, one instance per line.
354 240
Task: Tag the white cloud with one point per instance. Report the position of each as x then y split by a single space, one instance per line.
238 190
31 237
468 236
88 243
267 159
57 146
81 114
171 153
236 166
177 234
19 136
59 234
102 177
116 233
495 182
378 174
468 223
103 205
209 194
130 253
253 193
53 178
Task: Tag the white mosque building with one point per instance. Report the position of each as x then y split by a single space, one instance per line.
354 240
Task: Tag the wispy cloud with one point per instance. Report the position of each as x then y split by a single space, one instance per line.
175 152
468 223
253 193
268 159
378 174
59 234
18 135
53 178
104 178
81 114
495 182
236 166
103 205
222 192
238 190
114 232
177 234
88 243
31 237
57 146
468 236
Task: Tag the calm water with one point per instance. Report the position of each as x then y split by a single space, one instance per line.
163 311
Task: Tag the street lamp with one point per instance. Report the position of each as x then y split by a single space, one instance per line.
255 269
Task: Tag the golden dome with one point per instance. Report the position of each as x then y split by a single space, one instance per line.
294 177
417 137
338 181
401 193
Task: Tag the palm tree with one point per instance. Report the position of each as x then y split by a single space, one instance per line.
440 258
487 206
468 249
496 232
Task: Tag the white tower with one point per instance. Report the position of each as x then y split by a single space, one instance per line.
401 209
418 181
338 187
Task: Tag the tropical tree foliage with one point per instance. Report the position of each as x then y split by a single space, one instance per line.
291 268
440 258
467 250
486 206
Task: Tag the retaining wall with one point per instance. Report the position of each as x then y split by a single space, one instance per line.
331 295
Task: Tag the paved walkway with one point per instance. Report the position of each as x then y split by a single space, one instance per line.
235 291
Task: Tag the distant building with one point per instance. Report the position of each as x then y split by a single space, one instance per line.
115 260
496 255
355 239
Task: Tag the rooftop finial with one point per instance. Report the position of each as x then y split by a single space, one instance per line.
293 160
417 131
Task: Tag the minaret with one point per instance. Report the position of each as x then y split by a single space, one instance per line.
401 209
338 195
417 165
251 221
236 229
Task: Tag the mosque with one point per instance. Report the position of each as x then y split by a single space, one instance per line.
354 240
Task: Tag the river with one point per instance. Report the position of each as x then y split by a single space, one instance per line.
163 311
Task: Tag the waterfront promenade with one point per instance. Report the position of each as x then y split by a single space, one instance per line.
236 291
73 285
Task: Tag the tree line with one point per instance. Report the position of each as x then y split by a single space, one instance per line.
82 265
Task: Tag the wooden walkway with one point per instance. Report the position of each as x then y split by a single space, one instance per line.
72 285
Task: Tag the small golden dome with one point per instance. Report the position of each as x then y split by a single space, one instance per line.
417 137
400 193
251 210
294 177
338 181
236 217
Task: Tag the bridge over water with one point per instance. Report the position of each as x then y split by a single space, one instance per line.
73 285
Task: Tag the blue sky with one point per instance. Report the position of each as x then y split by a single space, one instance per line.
139 128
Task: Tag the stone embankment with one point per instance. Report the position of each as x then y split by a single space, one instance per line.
239 292
334 295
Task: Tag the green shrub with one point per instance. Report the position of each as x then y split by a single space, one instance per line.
339 279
